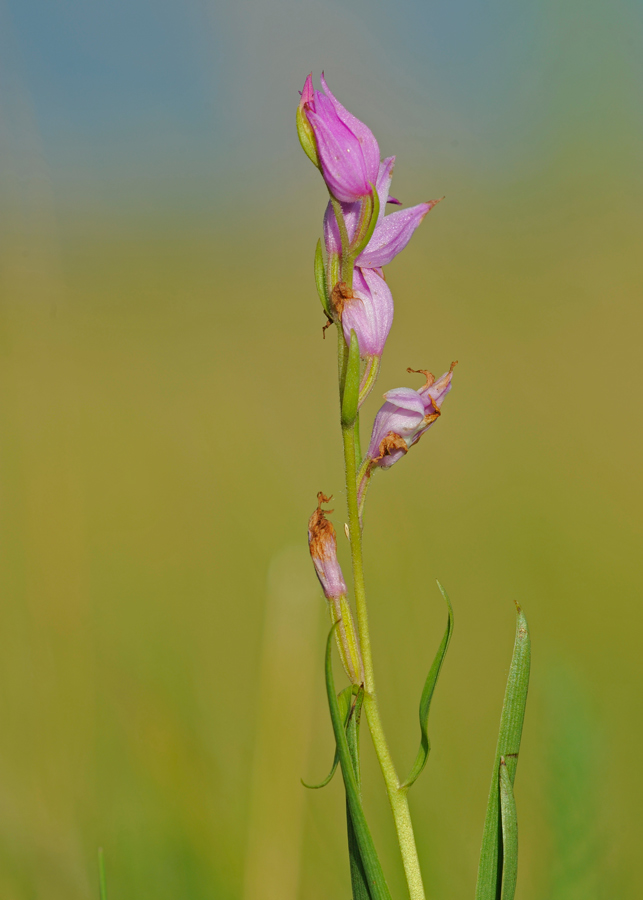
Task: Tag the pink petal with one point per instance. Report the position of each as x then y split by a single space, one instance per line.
364 135
392 234
406 398
370 314
340 153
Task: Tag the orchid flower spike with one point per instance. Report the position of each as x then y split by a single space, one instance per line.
405 417
344 148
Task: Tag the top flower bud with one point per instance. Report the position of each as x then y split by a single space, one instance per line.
346 150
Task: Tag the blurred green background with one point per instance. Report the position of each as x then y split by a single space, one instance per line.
168 413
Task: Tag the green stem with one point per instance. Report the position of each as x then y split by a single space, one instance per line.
364 474
342 359
397 795
369 378
358 444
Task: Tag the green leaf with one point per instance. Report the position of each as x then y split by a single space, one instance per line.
320 278
354 696
344 700
306 137
372 202
509 822
102 880
427 696
327 779
374 876
359 881
350 395
492 852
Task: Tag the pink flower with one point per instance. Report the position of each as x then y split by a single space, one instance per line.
367 310
405 417
372 316
347 151
392 233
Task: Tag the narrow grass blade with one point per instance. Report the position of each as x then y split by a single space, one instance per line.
102 880
372 868
492 855
509 822
344 699
427 696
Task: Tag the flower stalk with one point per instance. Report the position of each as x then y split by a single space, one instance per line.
359 239
397 794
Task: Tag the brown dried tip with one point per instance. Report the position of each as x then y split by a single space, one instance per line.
389 443
430 377
321 532
338 297
429 419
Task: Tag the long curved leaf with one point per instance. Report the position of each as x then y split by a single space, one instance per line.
427 696
345 708
372 867
492 852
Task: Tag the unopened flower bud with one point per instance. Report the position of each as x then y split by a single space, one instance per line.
347 151
323 551
322 543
